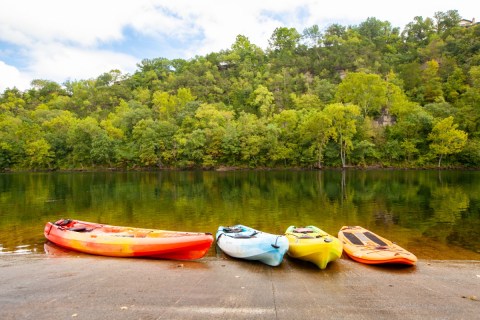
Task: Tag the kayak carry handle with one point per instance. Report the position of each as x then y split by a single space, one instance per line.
275 244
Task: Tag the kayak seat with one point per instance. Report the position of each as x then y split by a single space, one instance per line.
302 230
245 236
62 222
232 229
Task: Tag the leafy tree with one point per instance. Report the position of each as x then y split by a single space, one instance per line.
80 139
441 109
127 114
212 121
446 21
191 146
240 95
446 139
409 147
263 101
344 119
231 148
284 132
39 154
145 139
334 35
368 91
364 149
411 76
12 102
432 86
410 129
306 101
56 133
172 107
251 139
324 89
470 154
246 57
284 40
9 141
152 71
164 104
43 91
455 85
397 102
247 107
382 36
419 31
312 36
316 129
469 104
142 95
166 144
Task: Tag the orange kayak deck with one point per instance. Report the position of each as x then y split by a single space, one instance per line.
367 247
117 241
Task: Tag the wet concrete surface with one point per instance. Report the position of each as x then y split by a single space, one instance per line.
78 286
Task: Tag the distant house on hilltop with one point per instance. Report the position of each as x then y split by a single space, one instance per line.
467 23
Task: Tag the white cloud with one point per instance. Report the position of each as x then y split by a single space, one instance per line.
61 40
56 61
84 22
11 77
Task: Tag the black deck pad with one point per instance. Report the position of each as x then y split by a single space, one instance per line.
353 238
375 239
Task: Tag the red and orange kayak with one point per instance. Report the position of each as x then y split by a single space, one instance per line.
116 241
367 247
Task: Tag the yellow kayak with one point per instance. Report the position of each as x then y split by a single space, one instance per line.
313 244
367 247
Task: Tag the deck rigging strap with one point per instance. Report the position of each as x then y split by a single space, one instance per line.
240 236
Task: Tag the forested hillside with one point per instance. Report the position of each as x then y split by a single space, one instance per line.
363 95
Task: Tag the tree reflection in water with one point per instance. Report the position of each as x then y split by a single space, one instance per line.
434 214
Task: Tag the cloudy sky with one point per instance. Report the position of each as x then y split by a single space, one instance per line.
63 40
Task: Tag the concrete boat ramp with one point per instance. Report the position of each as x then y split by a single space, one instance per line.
80 286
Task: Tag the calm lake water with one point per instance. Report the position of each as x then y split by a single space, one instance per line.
434 214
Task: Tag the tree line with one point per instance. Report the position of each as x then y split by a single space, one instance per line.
362 95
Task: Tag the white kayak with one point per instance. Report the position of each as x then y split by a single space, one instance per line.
246 243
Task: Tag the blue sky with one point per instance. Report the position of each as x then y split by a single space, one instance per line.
63 40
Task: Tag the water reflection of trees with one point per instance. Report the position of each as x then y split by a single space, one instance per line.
388 201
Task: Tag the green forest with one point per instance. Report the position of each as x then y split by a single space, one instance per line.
361 95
